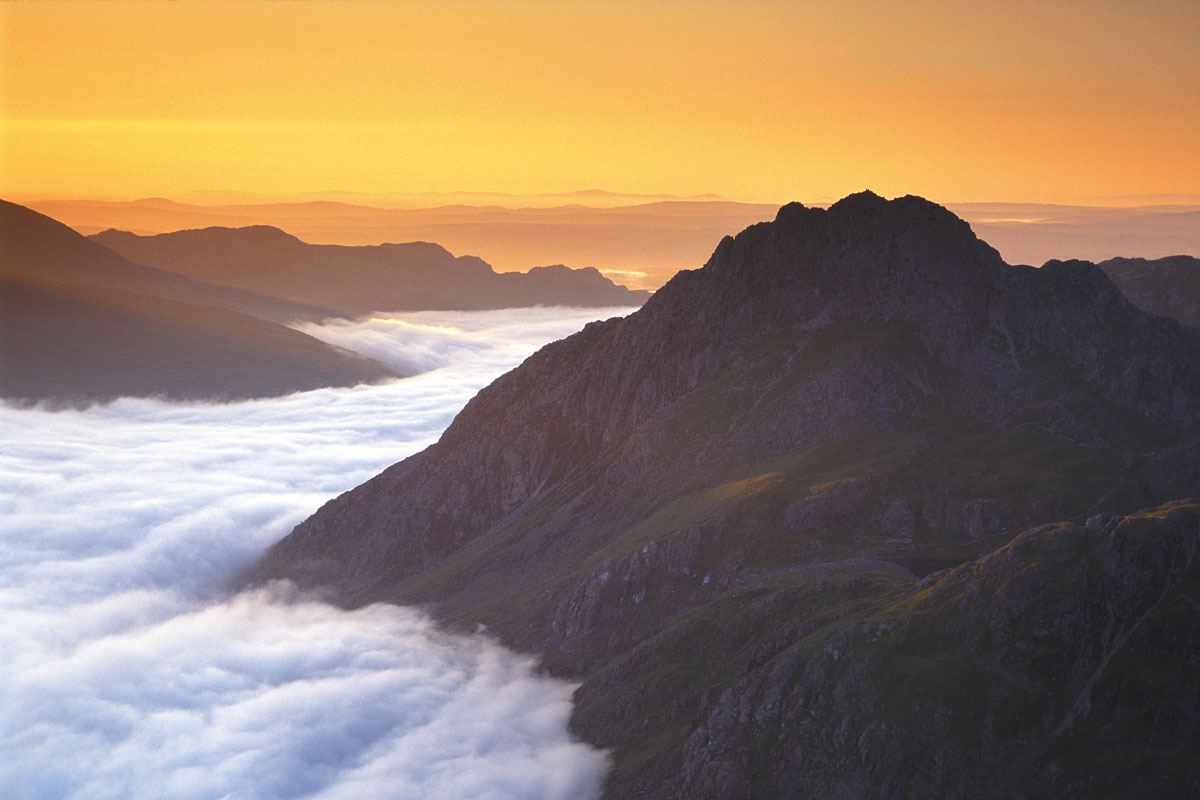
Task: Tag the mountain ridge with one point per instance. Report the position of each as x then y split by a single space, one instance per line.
360 279
840 396
709 345
645 245
81 324
34 243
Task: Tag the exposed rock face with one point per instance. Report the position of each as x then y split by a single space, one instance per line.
1062 665
360 280
839 399
1168 286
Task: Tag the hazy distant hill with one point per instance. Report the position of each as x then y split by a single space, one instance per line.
641 244
1168 286
638 242
81 323
35 244
717 512
388 277
1032 233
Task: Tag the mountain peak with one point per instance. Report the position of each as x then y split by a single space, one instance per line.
837 395
911 216
865 200
250 236
427 250
900 259
262 234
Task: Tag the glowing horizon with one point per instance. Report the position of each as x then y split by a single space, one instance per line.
765 101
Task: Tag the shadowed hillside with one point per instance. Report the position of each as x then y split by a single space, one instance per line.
1168 286
362 280
70 332
36 245
716 514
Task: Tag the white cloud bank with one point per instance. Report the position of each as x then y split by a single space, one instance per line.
127 674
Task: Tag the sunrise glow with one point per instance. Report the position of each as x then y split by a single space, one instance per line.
763 101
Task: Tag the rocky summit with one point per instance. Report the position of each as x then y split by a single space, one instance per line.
731 514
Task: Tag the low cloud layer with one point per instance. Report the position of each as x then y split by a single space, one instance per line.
474 341
128 674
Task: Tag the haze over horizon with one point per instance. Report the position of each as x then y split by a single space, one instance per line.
593 198
766 101
636 240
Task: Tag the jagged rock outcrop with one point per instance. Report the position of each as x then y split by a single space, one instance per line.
1169 286
838 401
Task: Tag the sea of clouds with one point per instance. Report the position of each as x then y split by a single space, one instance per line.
126 670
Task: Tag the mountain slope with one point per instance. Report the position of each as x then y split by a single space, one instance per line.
79 343
1061 665
361 280
858 394
68 332
1168 286
36 245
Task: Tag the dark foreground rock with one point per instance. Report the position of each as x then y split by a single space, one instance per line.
766 458
1064 664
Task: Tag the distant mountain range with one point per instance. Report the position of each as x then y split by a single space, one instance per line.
729 516
80 323
35 244
361 280
1031 233
84 321
640 241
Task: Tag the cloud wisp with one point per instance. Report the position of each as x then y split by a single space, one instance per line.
128 674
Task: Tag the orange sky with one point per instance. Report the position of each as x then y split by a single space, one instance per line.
1022 101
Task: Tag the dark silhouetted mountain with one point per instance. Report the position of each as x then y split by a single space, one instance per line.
1168 286
716 513
68 333
361 280
36 245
